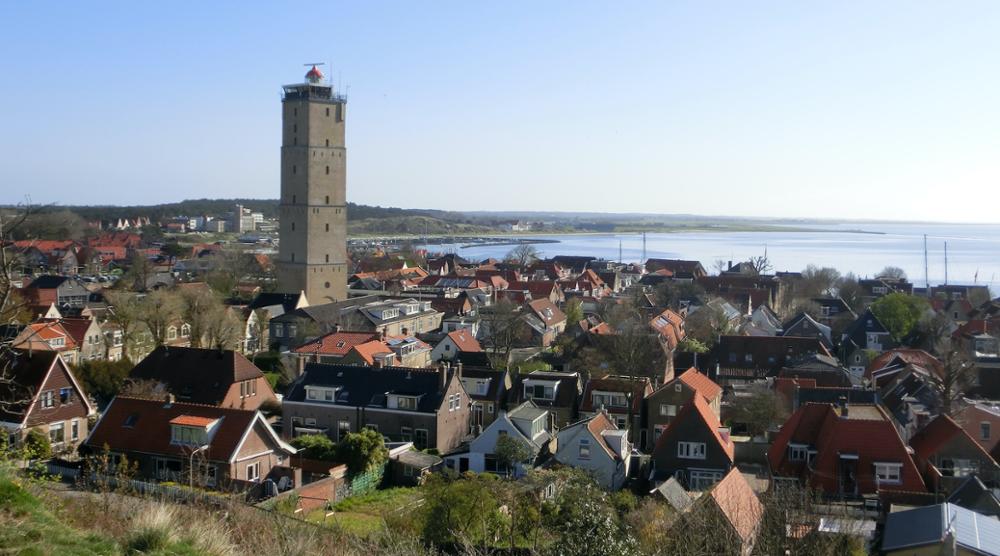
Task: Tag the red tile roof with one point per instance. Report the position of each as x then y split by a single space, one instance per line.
597 425
910 356
369 350
336 343
697 409
932 437
547 311
670 326
38 334
700 383
739 504
866 432
192 421
141 425
465 341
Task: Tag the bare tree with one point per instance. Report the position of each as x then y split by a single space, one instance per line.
224 330
505 327
12 394
124 313
760 264
522 255
892 272
158 311
957 374
199 308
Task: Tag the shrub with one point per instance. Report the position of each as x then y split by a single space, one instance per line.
362 451
316 446
154 530
37 445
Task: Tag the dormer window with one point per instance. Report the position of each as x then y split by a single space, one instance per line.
185 331
172 333
57 342
539 391
322 394
190 430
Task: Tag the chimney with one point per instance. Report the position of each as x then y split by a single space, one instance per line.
730 265
381 335
337 327
458 369
842 402
169 399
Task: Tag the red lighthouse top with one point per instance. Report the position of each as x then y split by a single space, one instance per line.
314 75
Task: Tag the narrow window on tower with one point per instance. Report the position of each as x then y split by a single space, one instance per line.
328 170
293 226
295 111
328 199
294 169
293 257
327 142
328 258
328 227
295 128
295 140
293 199
327 112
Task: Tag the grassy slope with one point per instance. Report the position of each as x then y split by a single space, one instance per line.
364 515
27 527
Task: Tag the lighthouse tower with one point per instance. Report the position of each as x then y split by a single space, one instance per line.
312 255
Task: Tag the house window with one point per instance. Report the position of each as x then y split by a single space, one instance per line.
420 438
984 430
312 394
279 330
57 433
343 429
371 426
253 471
65 395
172 333
620 422
657 431
406 402
748 358
584 448
691 450
668 410
310 421
888 473
74 430
797 452
701 479
489 408
185 330
296 422
48 399
538 391
678 387
732 357
194 436
405 434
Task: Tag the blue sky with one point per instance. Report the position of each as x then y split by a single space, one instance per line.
844 110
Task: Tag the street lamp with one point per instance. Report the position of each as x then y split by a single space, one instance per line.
191 462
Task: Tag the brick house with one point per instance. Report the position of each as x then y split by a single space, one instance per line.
553 390
618 396
48 336
488 390
52 400
429 407
845 451
946 455
666 401
221 378
165 438
694 448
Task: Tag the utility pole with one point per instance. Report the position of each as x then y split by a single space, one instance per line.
643 261
946 263
927 280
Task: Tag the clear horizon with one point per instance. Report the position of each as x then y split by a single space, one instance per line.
851 112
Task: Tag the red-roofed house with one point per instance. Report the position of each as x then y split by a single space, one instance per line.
235 446
546 321
946 455
844 451
539 289
982 423
454 343
332 347
48 336
666 401
884 366
695 448
373 354
735 512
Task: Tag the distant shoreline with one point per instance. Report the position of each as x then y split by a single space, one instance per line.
510 238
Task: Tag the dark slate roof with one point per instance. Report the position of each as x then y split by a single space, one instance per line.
804 326
972 494
858 331
566 394
497 390
195 375
927 526
266 299
369 386
833 395
26 373
47 282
